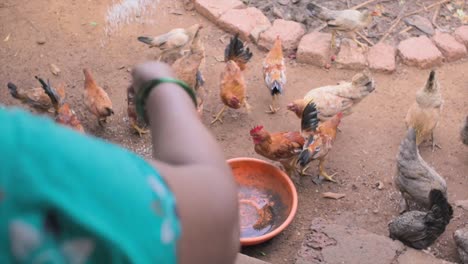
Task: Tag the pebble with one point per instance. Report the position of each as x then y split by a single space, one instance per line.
41 41
283 2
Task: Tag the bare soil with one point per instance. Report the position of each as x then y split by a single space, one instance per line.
365 149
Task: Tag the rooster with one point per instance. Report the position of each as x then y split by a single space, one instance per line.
274 73
424 114
232 87
332 99
415 178
172 43
350 21
420 229
96 99
35 97
319 144
63 113
285 146
187 69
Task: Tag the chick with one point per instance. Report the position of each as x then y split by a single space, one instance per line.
420 229
415 178
424 114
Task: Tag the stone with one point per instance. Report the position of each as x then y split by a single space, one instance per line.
450 48
381 58
336 244
351 56
243 21
461 34
462 203
213 9
419 52
333 244
461 240
41 40
290 33
314 49
255 33
412 256
420 23
244 259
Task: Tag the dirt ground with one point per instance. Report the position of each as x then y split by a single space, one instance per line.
364 152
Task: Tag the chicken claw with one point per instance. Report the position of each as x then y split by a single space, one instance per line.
324 174
139 130
434 145
218 116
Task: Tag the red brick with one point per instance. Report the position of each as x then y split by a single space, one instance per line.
213 9
381 58
243 21
419 52
450 48
461 34
314 48
290 33
351 56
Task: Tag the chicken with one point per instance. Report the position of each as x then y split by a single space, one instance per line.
350 21
172 43
464 132
63 113
424 114
420 229
282 146
274 73
319 144
461 240
187 69
285 146
96 99
332 99
233 87
135 120
35 97
415 178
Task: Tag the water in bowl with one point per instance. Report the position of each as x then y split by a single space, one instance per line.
258 211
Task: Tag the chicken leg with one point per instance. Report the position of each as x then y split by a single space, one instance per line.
273 108
323 173
219 115
434 145
138 129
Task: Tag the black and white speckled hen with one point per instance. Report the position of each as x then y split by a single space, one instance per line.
420 229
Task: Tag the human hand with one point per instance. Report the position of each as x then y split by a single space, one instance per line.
147 71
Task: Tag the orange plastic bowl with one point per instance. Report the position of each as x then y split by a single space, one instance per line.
267 199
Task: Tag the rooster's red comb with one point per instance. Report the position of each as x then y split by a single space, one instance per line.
256 129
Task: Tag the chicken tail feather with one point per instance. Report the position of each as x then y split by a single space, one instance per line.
146 40
318 11
49 91
431 81
309 121
238 52
441 211
13 90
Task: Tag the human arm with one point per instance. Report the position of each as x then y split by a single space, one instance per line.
193 164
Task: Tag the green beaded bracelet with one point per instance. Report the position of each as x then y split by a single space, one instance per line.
144 92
